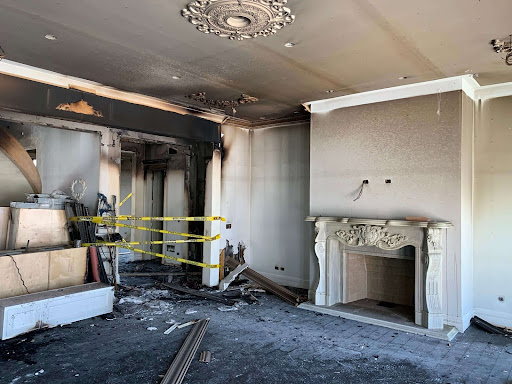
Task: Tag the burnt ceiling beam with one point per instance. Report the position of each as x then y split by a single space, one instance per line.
41 99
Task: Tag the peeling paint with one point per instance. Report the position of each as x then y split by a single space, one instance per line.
81 107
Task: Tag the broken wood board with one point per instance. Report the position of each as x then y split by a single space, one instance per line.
204 295
221 263
224 284
4 226
42 271
267 284
42 227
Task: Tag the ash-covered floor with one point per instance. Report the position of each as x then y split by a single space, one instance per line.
267 342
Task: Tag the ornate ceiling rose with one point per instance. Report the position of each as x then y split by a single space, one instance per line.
222 104
239 19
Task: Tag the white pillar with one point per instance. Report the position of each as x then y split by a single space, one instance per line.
211 250
110 174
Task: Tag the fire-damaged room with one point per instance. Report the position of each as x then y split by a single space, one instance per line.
255 191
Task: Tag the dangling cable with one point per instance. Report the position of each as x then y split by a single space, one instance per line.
360 191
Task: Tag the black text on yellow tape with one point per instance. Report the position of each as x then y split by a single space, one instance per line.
115 244
204 265
98 219
153 230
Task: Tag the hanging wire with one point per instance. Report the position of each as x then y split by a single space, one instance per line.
19 273
2 53
360 191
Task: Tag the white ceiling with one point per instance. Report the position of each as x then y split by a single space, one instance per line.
341 45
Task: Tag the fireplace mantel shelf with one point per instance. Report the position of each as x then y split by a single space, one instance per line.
381 222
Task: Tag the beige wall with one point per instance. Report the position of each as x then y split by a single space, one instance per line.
279 203
265 196
406 141
493 211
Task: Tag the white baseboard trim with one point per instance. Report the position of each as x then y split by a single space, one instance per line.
501 319
466 319
286 280
454 321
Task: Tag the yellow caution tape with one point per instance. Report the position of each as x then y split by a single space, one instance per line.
204 265
111 221
116 243
97 219
153 230
126 198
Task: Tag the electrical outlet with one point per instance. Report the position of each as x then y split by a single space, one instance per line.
366 182
388 181
228 226
501 298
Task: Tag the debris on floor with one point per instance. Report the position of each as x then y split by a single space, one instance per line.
488 327
223 285
204 295
179 366
187 324
171 328
205 357
267 284
228 309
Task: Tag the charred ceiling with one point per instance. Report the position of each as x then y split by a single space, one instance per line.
151 49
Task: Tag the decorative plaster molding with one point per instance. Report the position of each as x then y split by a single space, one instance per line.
371 235
238 19
222 104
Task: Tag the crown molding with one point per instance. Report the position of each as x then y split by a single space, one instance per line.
466 83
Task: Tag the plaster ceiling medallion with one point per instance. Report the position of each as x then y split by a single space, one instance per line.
222 104
503 46
239 19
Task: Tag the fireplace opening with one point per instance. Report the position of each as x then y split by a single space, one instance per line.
383 284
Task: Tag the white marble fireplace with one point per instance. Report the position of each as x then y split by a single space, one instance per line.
339 239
